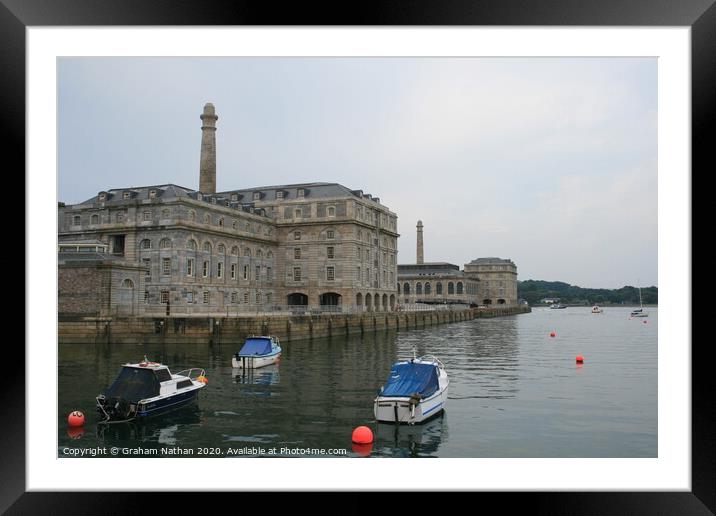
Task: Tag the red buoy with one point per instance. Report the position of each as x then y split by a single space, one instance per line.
76 418
362 435
580 359
553 334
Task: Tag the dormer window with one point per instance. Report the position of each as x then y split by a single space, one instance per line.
126 195
199 197
279 195
103 196
234 197
152 194
257 196
301 192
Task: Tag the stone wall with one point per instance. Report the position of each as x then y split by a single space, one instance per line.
203 330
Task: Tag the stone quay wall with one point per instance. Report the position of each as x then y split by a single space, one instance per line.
202 330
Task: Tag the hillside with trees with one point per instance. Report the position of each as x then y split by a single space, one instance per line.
533 291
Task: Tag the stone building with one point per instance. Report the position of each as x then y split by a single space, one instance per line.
498 280
310 246
484 281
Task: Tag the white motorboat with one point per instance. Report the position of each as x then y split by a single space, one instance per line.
416 390
257 351
597 310
147 389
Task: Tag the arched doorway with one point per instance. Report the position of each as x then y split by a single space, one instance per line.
359 301
330 302
125 299
392 301
297 299
487 301
385 301
368 300
501 301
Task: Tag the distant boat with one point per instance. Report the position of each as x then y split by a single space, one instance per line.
640 312
596 310
557 306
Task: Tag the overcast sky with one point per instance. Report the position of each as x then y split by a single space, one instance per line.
550 162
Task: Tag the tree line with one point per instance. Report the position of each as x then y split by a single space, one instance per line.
533 291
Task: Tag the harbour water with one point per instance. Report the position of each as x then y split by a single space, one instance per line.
514 392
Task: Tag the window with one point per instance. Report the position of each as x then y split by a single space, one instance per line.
164 297
145 244
301 192
221 249
330 234
268 298
269 255
258 272
146 296
192 215
205 297
331 252
166 213
246 297
297 274
451 288
428 289
330 273
102 196
94 219
119 217
258 298
297 253
234 297
165 244
205 269
358 275
233 271
459 287
126 195
418 289
259 254
439 289
221 222
234 225
268 274
367 275
146 216
235 250
190 297
331 211
166 266
297 235
148 273
191 245
207 247
190 267
297 213
257 196
406 289
207 219
246 272
152 194
279 195
220 270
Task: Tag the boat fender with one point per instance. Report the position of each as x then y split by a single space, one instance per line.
415 398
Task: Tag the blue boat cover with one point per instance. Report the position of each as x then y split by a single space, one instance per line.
255 346
407 378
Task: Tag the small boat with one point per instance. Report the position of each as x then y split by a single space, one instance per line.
257 351
416 391
639 312
596 310
557 307
148 389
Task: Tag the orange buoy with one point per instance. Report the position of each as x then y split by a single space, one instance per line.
363 449
76 418
202 379
553 334
362 435
580 359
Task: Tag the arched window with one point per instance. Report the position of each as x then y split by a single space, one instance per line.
418 289
259 254
165 244
94 219
459 287
191 244
221 249
207 219
145 244
406 289
427 289
127 283
269 255
451 288
207 247
247 252
235 250
439 288
221 222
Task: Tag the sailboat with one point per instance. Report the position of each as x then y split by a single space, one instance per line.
639 312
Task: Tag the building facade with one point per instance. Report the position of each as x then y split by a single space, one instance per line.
498 280
311 246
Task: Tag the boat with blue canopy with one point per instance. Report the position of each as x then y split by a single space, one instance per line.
257 351
416 390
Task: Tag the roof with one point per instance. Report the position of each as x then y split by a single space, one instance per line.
429 269
491 260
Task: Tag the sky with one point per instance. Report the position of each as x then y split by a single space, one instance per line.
551 162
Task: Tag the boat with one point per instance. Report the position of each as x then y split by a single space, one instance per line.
596 310
416 390
639 312
257 351
557 306
148 389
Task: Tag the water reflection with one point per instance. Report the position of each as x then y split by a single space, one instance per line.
160 431
421 440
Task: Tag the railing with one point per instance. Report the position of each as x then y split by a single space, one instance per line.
189 372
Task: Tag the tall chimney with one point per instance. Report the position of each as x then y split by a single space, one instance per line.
420 242
207 165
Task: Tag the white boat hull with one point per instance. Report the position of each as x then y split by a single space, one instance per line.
401 410
251 362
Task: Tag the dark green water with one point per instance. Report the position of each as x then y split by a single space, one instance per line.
514 392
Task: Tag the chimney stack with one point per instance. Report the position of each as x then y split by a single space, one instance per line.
420 242
207 165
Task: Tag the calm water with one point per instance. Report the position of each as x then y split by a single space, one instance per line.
514 391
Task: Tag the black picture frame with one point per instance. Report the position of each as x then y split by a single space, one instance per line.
700 15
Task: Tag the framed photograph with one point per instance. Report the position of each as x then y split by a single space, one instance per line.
421 247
